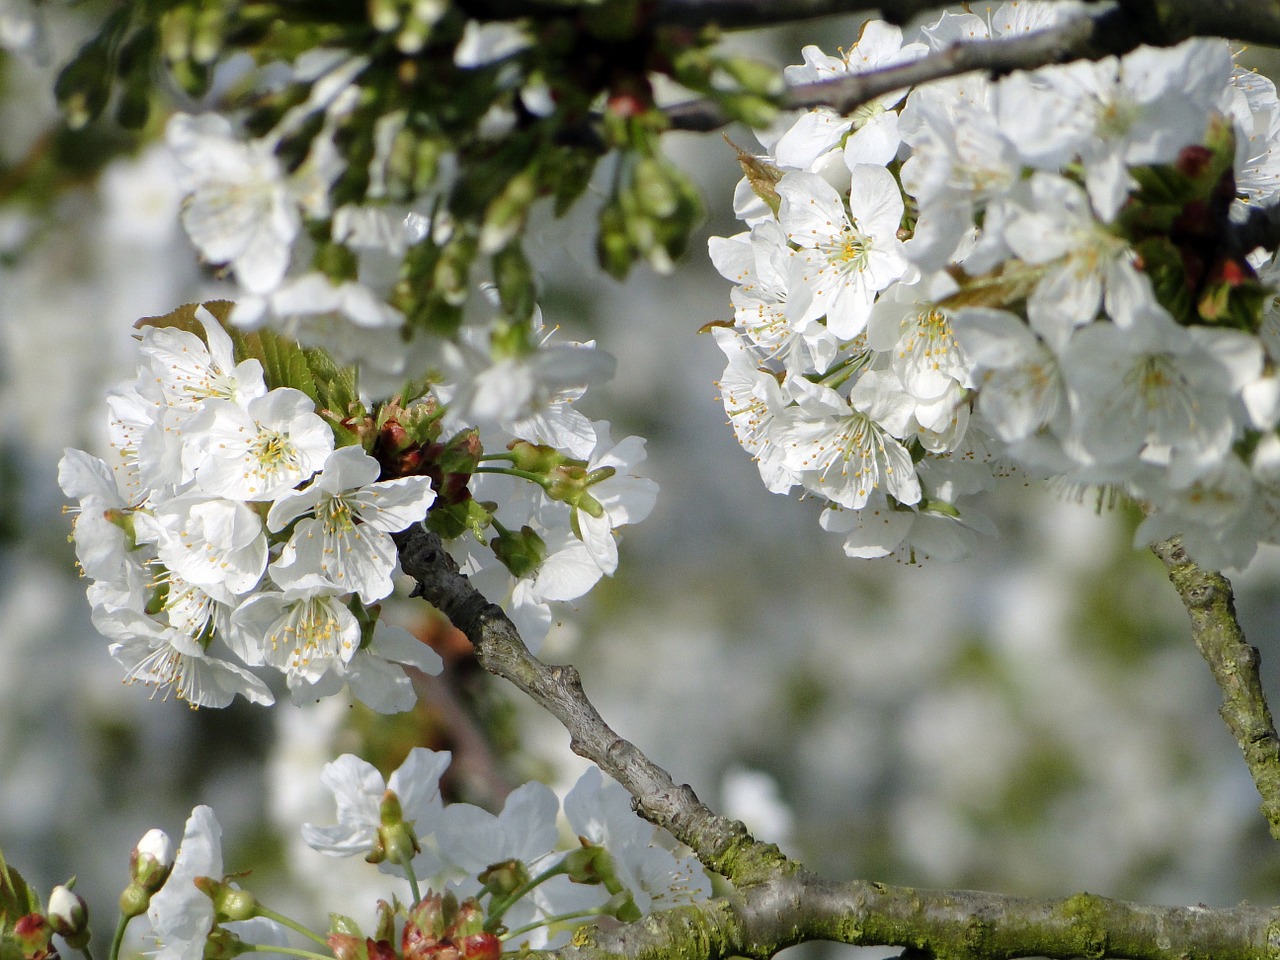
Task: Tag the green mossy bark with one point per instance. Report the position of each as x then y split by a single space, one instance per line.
1216 631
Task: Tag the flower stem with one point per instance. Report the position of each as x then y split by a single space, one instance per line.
559 918
513 472
118 939
292 925
413 880
495 913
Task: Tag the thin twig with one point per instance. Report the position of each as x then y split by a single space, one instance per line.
1234 663
721 844
1087 37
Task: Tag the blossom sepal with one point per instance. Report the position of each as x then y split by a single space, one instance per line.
229 903
395 840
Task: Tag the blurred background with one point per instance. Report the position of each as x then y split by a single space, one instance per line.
1034 720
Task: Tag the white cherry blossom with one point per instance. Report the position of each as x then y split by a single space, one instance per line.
344 539
213 542
846 449
843 261
259 451
239 210
301 632
172 662
358 790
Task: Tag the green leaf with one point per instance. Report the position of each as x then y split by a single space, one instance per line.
17 899
340 923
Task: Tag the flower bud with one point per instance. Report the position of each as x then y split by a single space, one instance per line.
505 216
222 944
151 861
229 902
505 878
591 864
469 919
206 34
536 457
749 108
424 927
396 840
347 946
452 273
614 249
32 933
69 916
150 864
384 15
521 552
655 192
755 76
434 913
479 946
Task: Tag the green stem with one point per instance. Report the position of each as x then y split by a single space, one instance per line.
86 952
495 913
513 472
559 918
293 925
841 372
118 939
413 880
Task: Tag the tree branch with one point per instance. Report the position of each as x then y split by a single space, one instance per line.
721 844
951 924
1089 37
776 903
1216 631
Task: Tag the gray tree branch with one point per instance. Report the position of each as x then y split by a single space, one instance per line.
721 844
1091 37
1234 663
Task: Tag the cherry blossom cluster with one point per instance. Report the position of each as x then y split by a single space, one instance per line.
1034 275
494 882
241 526
197 532
511 866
